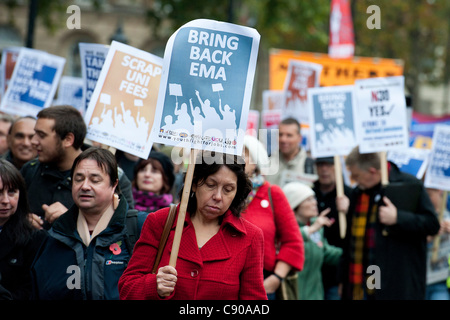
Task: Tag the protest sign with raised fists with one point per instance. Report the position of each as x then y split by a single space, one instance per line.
206 86
331 121
122 107
301 75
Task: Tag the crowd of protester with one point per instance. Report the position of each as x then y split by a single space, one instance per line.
82 223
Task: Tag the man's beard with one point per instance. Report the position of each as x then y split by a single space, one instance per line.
57 156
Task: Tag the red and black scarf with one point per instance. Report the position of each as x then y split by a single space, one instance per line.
362 244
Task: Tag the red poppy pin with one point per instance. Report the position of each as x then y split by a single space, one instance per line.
115 248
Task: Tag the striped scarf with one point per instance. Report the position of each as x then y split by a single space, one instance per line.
362 245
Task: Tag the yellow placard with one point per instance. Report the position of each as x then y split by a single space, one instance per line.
335 72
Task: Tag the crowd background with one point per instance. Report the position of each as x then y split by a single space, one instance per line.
299 221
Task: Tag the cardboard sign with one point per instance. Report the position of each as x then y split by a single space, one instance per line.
381 114
9 58
438 171
206 87
301 76
272 100
411 160
253 123
332 121
270 119
422 129
92 57
33 83
122 108
335 72
70 91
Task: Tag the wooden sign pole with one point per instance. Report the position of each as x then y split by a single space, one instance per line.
183 207
437 238
340 192
384 170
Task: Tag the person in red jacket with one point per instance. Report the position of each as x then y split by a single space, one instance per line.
220 254
283 243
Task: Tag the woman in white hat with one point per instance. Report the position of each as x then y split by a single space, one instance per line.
302 200
283 244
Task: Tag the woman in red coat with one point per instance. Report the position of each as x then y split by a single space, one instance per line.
220 254
279 226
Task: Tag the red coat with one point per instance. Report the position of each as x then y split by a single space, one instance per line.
286 230
229 266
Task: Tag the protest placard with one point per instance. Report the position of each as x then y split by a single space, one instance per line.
335 72
205 93
382 120
422 128
300 76
33 83
332 130
212 64
92 57
272 100
122 106
381 113
438 173
331 121
410 160
270 119
70 92
382 117
253 123
9 59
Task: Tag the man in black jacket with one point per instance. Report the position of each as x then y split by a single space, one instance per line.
384 256
59 137
325 189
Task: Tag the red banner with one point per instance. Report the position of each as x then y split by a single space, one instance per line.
342 40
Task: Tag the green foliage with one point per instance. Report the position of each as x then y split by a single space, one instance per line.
179 12
52 13
411 30
293 24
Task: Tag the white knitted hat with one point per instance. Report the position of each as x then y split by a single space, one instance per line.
257 151
297 192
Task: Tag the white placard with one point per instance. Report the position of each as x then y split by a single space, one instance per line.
382 121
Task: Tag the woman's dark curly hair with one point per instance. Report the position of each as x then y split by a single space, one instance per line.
208 163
